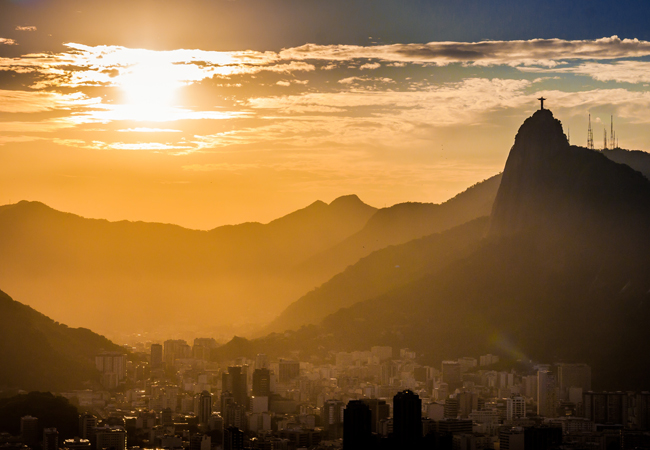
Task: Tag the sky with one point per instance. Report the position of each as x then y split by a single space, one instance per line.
205 113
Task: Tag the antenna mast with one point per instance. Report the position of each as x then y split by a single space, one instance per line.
604 138
590 136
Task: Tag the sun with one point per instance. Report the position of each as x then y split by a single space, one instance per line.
151 90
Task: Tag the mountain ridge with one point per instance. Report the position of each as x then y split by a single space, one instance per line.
56 260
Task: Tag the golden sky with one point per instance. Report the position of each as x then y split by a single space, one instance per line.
159 122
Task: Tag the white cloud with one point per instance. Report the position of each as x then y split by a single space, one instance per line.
6 41
25 28
619 71
370 66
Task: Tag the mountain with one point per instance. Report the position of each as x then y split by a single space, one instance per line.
405 222
132 277
37 353
561 275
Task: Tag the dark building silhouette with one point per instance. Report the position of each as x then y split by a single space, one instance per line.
357 429
407 419
205 407
29 430
167 416
542 438
87 422
606 407
156 356
289 370
235 382
262 383
233 438
332 419
50 439
379 411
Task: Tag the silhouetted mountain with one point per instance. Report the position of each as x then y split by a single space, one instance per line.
37 353
118 276
404 222
563 275
381 272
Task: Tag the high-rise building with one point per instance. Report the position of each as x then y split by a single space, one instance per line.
167 417
174 349
615 407
262 382
379 410
642 410
234 416
357 429
451 408
332 418
233 438
467 402
515 408
107 437
235 381
29 430
407 419
205 407
156 356
573 376
512 438
289 370
451 374
50 439
547 394
87 424
112 366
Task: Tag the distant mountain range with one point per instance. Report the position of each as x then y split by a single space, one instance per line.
559 272
120 277
134 277
39 354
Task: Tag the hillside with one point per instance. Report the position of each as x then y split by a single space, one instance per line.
562 276
380 272
37 353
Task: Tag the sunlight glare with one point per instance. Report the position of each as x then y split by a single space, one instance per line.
151 89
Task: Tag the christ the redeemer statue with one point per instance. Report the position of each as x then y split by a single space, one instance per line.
541 99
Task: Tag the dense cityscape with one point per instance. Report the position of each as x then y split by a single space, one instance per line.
173 396
324 225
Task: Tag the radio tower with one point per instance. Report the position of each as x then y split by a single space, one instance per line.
612 135
604 138
590 136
